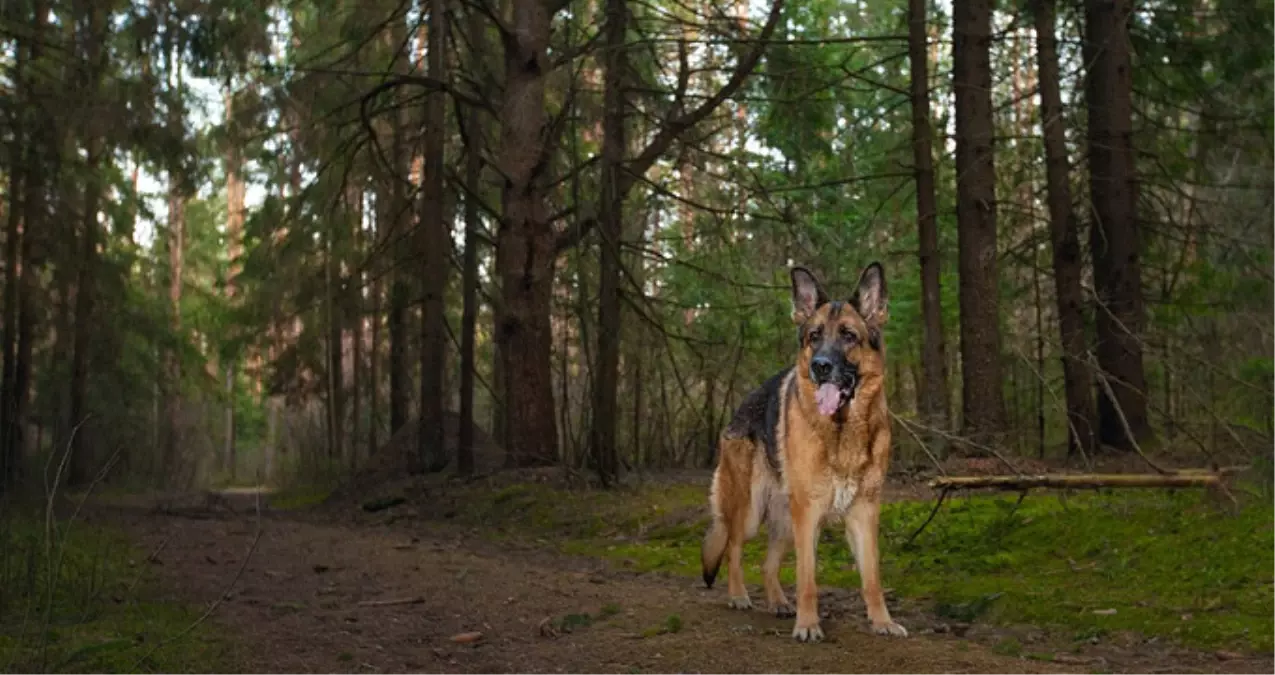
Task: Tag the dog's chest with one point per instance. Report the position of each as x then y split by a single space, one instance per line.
843 491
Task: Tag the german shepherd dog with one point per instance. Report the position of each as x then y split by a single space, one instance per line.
812 442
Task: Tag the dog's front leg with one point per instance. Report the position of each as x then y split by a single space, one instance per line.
862 525
806 517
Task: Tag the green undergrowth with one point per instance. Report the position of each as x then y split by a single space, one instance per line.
80 598
1168 564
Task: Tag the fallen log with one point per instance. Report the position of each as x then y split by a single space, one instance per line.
1079 481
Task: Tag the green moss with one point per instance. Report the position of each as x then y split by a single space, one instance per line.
1008 647
300 497
672 624
87 603
1169 563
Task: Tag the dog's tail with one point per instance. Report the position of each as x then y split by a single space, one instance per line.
715 540
712 550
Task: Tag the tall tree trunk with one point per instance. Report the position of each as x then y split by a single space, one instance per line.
525 248
358 319
436 261
173 374
400 376
13 238
607 376
1114 237
1063 229
982 394
31 261
393 236
234 246
80 470
934 403
176 252
22 185
469 283
374 350
335 367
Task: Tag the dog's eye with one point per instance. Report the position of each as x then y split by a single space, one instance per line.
815 334
848 334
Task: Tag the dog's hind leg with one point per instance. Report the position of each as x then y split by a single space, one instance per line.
732 501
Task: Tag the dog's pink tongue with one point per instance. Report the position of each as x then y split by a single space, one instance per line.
828 398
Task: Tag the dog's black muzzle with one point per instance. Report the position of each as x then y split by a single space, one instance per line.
830 366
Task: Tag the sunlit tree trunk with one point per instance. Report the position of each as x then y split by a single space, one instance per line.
234 244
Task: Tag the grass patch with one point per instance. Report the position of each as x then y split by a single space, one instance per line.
1169 564
84 600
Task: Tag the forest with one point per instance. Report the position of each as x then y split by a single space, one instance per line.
444 261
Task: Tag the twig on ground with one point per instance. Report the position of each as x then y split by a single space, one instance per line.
904 423
938 503
390 603
1124 422
221 597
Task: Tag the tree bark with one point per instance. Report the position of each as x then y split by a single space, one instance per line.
469 283
1064 238
1114 237
397 229
435 237
525 249
934 403
80 465
336 363
173 369
982 396
374 350
607 375
234 244
13 237
357 319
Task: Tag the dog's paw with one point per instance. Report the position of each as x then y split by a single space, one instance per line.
889 628
811 633
740 602
783 610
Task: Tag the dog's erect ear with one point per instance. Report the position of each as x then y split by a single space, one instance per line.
807 294
870 298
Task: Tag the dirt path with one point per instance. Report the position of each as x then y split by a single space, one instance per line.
296 608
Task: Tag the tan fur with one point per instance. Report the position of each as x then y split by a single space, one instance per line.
827 470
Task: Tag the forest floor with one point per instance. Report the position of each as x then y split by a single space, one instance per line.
560 580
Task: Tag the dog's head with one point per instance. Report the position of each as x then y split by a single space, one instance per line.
841 342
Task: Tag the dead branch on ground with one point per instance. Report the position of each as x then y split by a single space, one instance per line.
1189 478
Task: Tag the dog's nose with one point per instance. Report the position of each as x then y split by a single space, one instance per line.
821 368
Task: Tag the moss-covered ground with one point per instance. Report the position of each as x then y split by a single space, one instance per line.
1177 565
